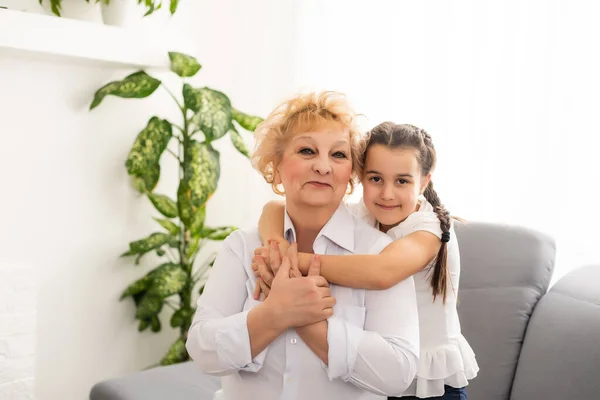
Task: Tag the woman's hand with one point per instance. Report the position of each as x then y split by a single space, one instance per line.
302 301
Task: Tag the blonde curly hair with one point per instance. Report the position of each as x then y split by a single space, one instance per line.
302 113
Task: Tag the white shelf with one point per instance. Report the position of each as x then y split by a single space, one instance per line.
39 35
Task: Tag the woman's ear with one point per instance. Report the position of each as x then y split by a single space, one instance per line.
276 177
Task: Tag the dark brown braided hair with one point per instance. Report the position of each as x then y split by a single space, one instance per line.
409 136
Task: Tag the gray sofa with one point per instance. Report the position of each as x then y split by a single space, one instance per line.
530 343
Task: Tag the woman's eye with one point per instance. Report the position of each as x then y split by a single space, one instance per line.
375 179
340 154
306 151
402 181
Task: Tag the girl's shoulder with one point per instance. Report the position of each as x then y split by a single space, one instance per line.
425 219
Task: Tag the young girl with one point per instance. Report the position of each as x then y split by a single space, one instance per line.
399 199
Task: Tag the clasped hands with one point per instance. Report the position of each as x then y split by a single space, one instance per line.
301 300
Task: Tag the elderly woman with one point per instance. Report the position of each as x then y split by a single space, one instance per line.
307 339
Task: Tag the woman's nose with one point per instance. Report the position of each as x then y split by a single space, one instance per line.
322 165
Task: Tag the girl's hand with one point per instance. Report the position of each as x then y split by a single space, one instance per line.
266 264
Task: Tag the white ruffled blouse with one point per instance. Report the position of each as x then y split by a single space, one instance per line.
445 355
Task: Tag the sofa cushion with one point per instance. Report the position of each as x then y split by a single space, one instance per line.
560 358
504 272
182 382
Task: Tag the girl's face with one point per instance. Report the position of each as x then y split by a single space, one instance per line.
316 167
392 182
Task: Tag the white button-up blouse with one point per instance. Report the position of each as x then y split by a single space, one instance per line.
373 335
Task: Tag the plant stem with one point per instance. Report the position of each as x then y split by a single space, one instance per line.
173 96
175 155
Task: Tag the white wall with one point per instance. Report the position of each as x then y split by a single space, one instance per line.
508 90
68 207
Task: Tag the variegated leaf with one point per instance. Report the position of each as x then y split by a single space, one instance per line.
182 64
221 232
194 245
238 142
167 279
155 324
248 122
148 307
190 98
201 172
55 6
144 156
184 203
139 286
181 316
173 6
198 220
163 204
143 325
177 353
171 227
213 113
137 85
152 242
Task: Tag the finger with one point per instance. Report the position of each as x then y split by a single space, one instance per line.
329 302
314 268
324 292
327 312
257 289
264 288
284 270
262 251
255 269
274 257
293 255
265 272
295 274
319 281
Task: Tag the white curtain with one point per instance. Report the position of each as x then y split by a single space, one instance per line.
508 90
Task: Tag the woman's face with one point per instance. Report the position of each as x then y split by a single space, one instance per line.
392 183
316 166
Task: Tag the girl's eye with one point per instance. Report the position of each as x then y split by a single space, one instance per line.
340 154
402 181
375 179
306 151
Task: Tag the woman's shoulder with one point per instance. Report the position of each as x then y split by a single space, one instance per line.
242 241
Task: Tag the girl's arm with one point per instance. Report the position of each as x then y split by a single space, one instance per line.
270 224
399 260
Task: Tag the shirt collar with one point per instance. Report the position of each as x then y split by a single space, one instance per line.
339 229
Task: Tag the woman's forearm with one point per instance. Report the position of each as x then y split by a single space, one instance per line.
315 337
263 328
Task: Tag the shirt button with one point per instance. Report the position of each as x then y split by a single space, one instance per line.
294 341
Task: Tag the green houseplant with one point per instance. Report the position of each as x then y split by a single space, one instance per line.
149 5
207 115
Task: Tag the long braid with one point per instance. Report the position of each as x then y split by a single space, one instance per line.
439 277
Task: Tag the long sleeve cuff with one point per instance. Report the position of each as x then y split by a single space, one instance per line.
233 343
343 338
